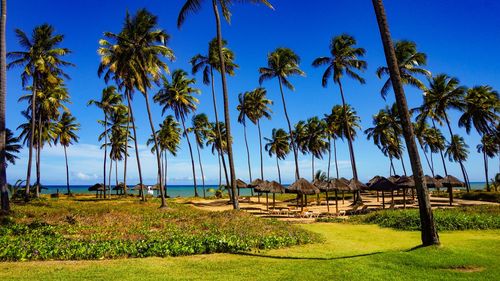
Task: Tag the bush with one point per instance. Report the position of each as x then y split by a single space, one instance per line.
477 195
74 230
463 218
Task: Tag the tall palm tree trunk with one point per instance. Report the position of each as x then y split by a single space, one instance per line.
226 107
329 158
129 104
260 150
462 167
32 136
105 150
427 160
403 165
192 158
485 159
157 150
109 179
220 169
67 170
335 156
290 131
429 233
279 172
4 193
219 150
349 142
166 174
392 166
201 169
248 151
126 156
116 173
312 167
38 155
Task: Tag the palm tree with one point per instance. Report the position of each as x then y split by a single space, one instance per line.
315 141
135 61
207 64
480 110
409 64
429 233
489 147
110 99
258 105
170 136
4 194
344 60
279 145
12 147
193 6
283 63
178 96
383 134
333 132
217 140
66 135
457 151
41 61
443 93
200 127
244 110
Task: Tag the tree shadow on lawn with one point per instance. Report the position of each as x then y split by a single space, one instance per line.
307 258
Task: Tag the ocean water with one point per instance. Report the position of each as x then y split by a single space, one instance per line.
172 190
178 190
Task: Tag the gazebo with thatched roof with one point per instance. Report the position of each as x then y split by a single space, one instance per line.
335 185
405 182
254 184
383 185
119 188
303 188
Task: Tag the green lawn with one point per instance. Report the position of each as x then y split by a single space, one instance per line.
351 252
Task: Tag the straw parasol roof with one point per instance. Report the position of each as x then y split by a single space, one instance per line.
432 182
451 181
241 184
320 184
373 180
394 178
335 185
261 187
138 187
383 184
274 187
356 185
120 186
405 182
96 187
255 183
302 186
344 180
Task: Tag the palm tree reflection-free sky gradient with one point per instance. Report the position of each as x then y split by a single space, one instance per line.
460 38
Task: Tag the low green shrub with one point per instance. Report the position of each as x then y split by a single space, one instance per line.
83 230
462 218
477 195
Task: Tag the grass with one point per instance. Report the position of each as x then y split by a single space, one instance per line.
460 218
350 252
86 228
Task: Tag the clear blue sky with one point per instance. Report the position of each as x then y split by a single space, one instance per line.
461 38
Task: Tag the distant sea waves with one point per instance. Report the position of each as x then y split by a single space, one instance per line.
176 190
173 190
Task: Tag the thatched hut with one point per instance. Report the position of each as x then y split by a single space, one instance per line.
272 187
335 185
431 182
119 188
405 182
394 178
255 183
449 182
303 188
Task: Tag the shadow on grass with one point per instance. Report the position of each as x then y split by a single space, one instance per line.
306 258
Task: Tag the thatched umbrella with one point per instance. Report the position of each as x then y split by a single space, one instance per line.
254 184
262 188
303 187
405 182
370 182
241 184
356 185
119 188
382 184
98 188
335 185
393 178
449 182
431 182
274 187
